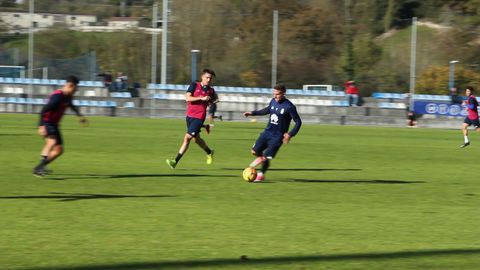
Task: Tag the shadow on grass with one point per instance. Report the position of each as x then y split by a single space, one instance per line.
68 197
16 135
251 261
125 176
298 169
355 181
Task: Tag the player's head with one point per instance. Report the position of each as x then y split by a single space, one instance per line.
70 86
469 90
279 92
207 76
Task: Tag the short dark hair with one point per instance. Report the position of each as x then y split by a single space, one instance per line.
280 87
470 88
72 79
209 71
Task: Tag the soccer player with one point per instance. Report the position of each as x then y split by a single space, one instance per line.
48 126
212 109
472 118
199 95
281 111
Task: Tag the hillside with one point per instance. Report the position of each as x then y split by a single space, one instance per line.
320 41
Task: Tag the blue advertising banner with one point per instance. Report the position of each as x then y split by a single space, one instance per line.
439 108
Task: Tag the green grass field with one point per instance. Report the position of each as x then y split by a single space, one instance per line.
338 197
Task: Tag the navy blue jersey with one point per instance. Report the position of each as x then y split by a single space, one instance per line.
281 114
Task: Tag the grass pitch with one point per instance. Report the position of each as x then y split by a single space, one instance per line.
338 197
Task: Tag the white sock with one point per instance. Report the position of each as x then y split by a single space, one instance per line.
465 138
256 162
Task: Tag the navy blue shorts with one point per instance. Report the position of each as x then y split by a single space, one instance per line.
212 109
267 145
54 131
473 122
194 125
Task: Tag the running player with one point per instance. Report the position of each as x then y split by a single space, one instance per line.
199 95
472 118
48 126
281 111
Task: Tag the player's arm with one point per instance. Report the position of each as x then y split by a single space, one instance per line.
263 111
298 123
76 110
189 95
472 103
190 98
214 98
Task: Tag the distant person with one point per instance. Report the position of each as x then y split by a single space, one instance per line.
281 111
472 117
121 81
411 117
212 109
199 95
352 93
48 126
456 99
107 79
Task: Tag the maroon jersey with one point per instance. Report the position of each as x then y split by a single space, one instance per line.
55 108
472 105
198 109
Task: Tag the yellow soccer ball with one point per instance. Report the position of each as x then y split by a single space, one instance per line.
249 174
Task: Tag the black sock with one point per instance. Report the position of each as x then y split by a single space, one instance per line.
208 150
43 162
265 166
179 156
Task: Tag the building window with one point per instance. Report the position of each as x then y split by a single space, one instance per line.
35 24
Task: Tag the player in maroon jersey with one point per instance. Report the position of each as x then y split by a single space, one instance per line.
50 117
199 95
472 118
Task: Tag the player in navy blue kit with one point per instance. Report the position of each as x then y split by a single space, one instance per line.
48 126
281 111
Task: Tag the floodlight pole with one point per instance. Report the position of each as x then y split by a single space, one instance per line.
451 80
163 79
413 55
154 43
274 47
194 64
30 54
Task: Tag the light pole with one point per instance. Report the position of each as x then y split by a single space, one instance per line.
451 80
194 64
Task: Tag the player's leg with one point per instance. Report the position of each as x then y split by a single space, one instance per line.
192 130
257 150
183 149
465 125
57 151
201 142
274 145
51 150
50 142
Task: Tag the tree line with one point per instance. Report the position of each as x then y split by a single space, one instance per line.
320 41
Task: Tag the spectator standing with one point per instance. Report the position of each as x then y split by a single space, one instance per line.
411 117
352 92
107 78
456 99
121 82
